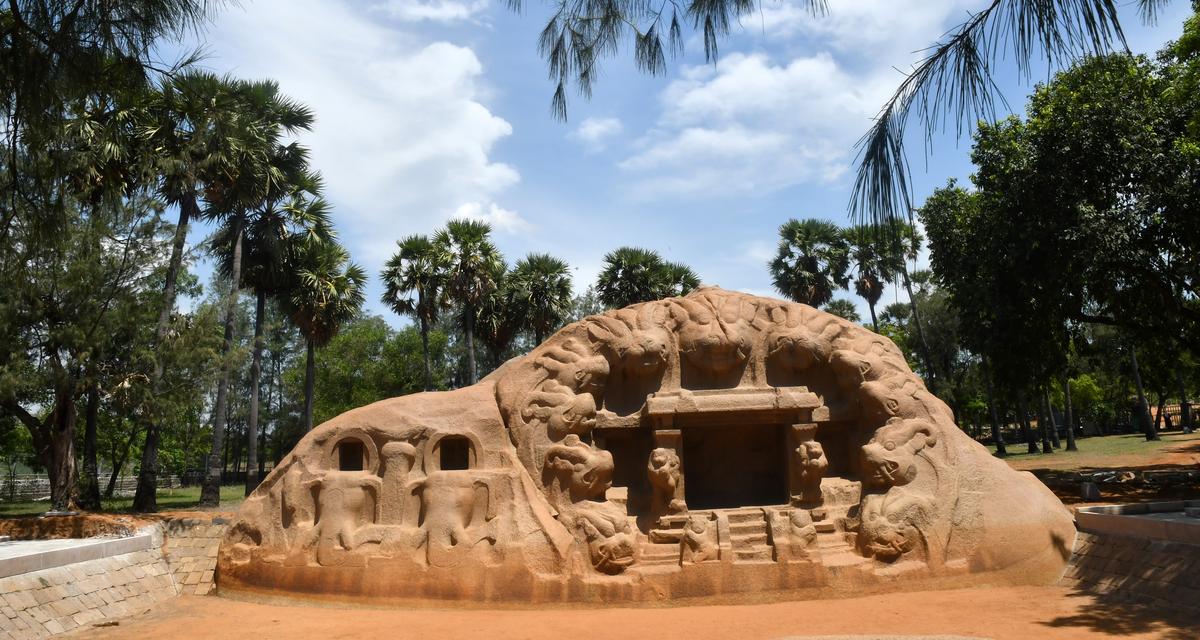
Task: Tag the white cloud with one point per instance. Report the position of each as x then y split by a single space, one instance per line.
501 219
402 135
594 133
752 126
878 29
433 10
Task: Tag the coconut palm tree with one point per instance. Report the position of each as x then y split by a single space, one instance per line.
632 275
266 172
542 283
414 281
873 265
191 122
473 262
327 293
811 262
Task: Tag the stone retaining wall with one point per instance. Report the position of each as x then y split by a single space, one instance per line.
43 603
1137 570
181 560
191 548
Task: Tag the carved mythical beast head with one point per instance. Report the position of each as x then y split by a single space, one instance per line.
890 458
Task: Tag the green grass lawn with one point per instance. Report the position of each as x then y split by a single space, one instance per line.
1124 451
182 499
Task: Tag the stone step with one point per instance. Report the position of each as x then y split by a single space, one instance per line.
747 527
825 527
748 540
748 515
842 559
759 553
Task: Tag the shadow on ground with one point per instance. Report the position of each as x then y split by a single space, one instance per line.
1116 616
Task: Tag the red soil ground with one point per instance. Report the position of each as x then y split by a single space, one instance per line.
999 613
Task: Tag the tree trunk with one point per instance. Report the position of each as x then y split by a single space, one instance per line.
1185 409
425 353
1162 406
931 377
1069 413
59 458
89 484
874 321
210 490
1143 406
1051 425
469 318
997 431
310 372
260 309
145 499
1026 428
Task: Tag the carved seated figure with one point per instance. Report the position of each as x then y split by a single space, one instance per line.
803 531
699 543
894 511
663 472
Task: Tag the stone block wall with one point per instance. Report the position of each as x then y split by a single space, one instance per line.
190 547
51 601
1137 570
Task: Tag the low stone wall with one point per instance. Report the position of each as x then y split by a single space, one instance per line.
181 560
43 603
31 487
191 548
1137 570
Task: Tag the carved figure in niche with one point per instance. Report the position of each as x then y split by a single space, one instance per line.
664 473
641 352
894 512
457 516
574 367
811 461
347 503
609 536
803 531
706 340
583 470
699 540
561 410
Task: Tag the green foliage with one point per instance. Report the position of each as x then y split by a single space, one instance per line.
843 308
632 275
366 362
811 262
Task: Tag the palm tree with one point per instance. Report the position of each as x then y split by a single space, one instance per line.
542 283
632 275
472 264
266 173
811 262
272 231
501 315
414 281
906 242
326 294
191 123
872 263
843 308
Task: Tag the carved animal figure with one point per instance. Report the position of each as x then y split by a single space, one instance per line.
562 411
698 540
583 470
812 463
663 472
609 536
894 513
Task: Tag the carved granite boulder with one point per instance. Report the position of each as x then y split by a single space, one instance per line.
716 443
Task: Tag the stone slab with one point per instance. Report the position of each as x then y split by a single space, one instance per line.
24 556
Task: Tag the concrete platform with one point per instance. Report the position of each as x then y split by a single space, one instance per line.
24 556
1167 521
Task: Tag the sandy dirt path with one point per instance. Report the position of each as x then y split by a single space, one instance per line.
999 613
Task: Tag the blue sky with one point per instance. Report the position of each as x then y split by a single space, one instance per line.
431 109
